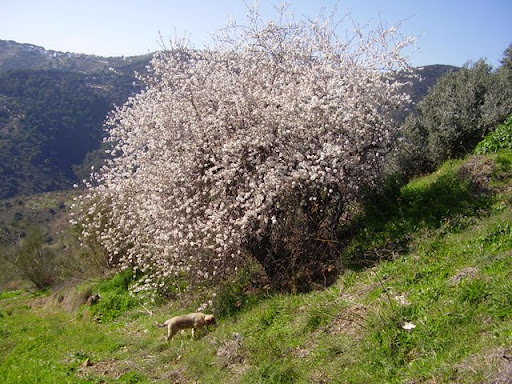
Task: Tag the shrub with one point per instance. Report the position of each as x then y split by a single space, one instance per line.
115 297
252 148
239 294
34 260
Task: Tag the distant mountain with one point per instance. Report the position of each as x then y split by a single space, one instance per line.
428 77
53 106
52 109
16 56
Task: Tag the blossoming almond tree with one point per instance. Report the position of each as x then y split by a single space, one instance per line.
250 148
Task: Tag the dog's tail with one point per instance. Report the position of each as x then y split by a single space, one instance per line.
160 325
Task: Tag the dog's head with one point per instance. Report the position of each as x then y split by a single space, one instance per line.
210 320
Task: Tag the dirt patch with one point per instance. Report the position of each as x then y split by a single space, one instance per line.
469 272
495 365
504 375
350 322
177 375
233 355
107 368
231 352
478 171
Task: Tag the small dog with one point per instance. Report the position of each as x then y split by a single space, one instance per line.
191 320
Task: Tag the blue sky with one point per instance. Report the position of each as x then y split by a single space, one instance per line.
448 32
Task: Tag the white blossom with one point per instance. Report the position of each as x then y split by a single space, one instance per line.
223 140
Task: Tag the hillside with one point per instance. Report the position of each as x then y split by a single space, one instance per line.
16 56
52 109
427 78
417 288
425 297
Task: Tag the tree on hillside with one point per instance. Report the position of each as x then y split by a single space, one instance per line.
456 114
254 148
506 62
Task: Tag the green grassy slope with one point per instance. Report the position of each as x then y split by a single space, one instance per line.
426 298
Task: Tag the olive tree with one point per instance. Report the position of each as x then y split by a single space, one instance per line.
455 116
